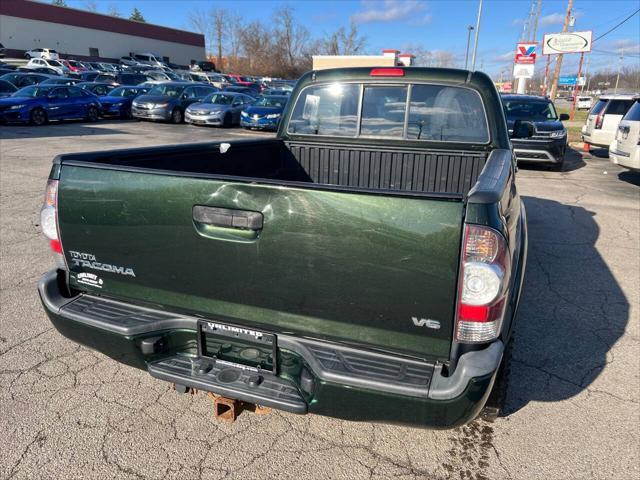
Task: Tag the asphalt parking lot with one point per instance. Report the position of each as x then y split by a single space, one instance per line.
573 404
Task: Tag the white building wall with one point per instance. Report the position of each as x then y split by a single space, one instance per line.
25 34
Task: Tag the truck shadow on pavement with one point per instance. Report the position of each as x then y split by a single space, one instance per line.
572 309
58 129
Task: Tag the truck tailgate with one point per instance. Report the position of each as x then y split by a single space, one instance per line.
369 269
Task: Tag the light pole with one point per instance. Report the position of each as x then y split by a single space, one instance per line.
466 55
475 43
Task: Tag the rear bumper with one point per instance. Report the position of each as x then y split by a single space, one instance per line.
313 376
629 160
598 137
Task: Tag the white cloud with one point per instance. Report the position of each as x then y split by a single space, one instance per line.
392 10
553 19
625 45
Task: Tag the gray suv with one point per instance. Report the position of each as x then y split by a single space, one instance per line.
168 101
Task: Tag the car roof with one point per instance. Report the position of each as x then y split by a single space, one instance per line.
620 96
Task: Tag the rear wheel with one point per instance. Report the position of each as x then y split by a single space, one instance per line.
92 114
27 56
38 117
176 116
498 396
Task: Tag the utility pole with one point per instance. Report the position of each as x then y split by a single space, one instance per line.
530 21
575 88
535 23
475 43
615 89
466 55
556 75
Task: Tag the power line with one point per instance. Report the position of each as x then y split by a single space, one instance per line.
612 29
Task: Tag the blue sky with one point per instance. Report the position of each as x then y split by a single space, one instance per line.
435 25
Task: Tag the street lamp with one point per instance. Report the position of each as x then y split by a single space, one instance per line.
466 56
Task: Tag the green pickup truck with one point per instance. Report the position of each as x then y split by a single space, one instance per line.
365 264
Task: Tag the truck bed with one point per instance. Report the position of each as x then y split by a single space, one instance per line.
361 168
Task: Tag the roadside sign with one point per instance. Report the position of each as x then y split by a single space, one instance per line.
571 80
526 53
567 42
523 71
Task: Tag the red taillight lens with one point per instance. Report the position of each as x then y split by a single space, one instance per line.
49 222
482 285
599 119
387 72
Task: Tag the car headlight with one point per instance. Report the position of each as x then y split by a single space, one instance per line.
558 133
17 107
159 105
119 104
244 114
273 115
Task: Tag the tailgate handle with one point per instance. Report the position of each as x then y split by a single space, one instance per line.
228 218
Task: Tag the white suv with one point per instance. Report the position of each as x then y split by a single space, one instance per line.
625 149
47 53
43 63
602 122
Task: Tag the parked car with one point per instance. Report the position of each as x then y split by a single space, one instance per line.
216 79
96 88
252 92
89 76
6 70
601 125
60 81
625 148
43 70
24 79
584 103
7 66
7 88
73 65
118 101
207 66
2 51
168 101
272 271
549 140
220 108
264 113
47 53
38 104
277 92
238 79
149 59
129 61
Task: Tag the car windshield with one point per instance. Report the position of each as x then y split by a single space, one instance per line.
529 110
219 99
167 90
270 102
33 91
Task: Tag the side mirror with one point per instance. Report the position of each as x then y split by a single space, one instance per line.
523 129
564 116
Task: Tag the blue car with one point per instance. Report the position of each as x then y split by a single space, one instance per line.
118 101
38 104
264 113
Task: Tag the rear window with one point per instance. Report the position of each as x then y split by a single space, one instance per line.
598 107
417 112
634 112
618 107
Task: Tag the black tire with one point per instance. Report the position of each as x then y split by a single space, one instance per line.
226 122
498 396
38 117
176 115
92 114
27 56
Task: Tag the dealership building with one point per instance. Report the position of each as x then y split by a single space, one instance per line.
25 25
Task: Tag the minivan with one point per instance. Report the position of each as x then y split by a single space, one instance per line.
602 122
149 59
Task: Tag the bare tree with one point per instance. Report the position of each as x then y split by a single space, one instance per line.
290 38
199 21
343 42
257 48
113 11
91 5
218 19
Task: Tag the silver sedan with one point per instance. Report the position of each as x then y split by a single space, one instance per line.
220 108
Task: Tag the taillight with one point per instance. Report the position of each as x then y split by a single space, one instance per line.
483 284
49 222
599 119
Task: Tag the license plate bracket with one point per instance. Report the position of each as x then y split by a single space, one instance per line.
237 344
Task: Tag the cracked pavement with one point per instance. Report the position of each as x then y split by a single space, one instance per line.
573 403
